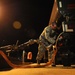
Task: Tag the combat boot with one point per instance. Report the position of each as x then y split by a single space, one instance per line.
38 62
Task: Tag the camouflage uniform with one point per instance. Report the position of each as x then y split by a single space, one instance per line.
47 37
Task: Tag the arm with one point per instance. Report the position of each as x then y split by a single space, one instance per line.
47 35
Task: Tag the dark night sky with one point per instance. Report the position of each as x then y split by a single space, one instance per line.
33 16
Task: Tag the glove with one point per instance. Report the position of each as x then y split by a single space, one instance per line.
49 47
60 38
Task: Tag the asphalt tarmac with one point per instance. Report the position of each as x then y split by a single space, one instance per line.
48 70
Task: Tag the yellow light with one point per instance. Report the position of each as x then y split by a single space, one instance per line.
0 11
17 25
